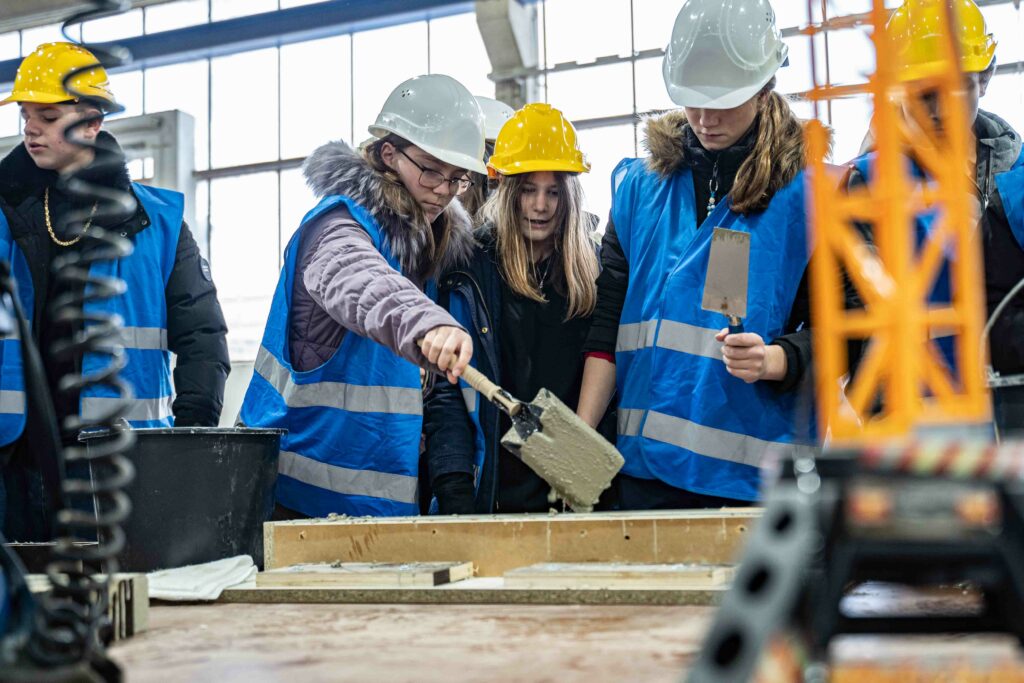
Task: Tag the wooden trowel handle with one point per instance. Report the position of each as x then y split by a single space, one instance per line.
489 390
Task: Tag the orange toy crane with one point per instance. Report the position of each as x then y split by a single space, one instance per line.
903 370
886 501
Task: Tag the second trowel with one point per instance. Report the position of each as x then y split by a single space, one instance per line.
725 285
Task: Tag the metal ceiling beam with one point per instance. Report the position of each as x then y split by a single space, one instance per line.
269 29
23 14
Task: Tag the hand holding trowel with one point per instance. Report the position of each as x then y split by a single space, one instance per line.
725 285
561 448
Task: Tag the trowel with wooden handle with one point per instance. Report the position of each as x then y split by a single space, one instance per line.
725 285
554 442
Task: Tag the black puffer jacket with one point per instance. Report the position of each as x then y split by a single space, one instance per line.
505 484
195 324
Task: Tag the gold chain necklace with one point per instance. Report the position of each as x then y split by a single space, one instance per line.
49 226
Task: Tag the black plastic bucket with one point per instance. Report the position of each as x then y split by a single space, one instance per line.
200 494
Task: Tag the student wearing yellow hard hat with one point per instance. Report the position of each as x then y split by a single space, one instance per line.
915 28
526 297
170 305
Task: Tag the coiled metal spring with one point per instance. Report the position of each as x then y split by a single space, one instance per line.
71 625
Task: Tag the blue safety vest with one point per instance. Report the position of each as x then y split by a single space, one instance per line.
682 418
352 445
1011 190
143 310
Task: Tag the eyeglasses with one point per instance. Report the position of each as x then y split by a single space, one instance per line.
431 179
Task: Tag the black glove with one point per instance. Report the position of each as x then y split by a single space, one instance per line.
455 493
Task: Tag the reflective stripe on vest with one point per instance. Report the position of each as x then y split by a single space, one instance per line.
1011 191
142 310
338 395
348 481
706 441
682 418
675 336
354 423
12 402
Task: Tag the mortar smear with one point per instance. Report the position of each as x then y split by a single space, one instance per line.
575 460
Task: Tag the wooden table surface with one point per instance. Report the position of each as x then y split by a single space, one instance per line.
296 643
393 643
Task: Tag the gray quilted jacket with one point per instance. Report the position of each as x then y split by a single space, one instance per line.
343 284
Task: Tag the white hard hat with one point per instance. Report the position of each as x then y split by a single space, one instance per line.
437 114
722 52
496 113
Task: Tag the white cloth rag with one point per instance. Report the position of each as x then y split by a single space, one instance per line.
201 581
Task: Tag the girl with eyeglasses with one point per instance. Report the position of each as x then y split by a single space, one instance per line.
351 325
526 297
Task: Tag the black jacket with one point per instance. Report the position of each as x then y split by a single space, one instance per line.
449 433
196 331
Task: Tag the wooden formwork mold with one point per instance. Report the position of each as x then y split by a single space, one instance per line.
498 543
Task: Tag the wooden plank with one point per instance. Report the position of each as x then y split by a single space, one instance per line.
128 607
477 591
366 574
498 543
619 575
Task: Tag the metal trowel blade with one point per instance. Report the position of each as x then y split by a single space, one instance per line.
725 285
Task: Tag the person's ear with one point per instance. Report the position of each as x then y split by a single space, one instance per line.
387 155
92 129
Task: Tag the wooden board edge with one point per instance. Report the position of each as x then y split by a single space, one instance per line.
475 596
280 577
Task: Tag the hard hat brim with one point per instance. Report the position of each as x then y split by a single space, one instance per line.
703 99
36 98
463 161
521 167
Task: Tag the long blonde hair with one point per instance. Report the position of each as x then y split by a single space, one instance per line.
777 157
574 260
404 205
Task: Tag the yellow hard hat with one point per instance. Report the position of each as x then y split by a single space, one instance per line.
40 77
537 138
915 28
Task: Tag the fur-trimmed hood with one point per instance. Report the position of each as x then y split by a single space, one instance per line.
665 140
336 169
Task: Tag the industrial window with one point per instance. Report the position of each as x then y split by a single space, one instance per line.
316 97
230 9
468 64
296 200
180 14
184 87
583 30
244 236
125 25
381 60
592 93
243 108
605 147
